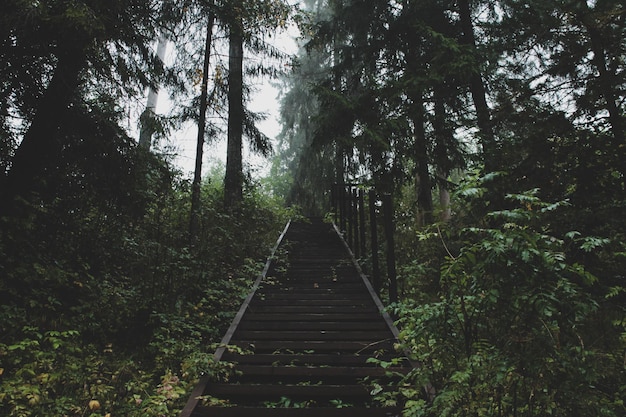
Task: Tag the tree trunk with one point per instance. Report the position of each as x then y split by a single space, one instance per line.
443 136
479 93
233 181
340 166
423 181
40 148
444 195
147 118
194 218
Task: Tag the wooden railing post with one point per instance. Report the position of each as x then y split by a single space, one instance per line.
333 202
374 242
342 207
355 222
391 256
349 224
363 249
349 207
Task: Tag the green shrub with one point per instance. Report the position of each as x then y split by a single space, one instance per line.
513 331
111 313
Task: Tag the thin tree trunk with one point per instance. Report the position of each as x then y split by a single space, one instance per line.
444 195
194 218
479 93
233 181
423 181
443 136
147 118
41 146
340 166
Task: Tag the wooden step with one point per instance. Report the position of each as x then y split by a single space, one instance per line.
328 359
314 346
318 316
288 309
317 371
253 324
251 392
309 332
321 286
324 302
310 335
345 411
326 294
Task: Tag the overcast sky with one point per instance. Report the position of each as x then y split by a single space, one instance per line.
264 100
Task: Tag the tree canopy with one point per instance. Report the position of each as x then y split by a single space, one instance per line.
512 114
497 126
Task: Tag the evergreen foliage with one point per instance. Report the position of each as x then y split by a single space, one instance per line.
514 302
106 308
511 112
105 302
519 326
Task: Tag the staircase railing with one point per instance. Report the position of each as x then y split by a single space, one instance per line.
360 212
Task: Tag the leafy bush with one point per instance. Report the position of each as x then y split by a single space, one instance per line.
515 328
111 312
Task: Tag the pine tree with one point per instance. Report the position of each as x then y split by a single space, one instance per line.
72 42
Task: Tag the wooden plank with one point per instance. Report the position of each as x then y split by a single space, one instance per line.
329 359
309 309
327 316
308 302
233 326
316 371
201 386
193 401
296 412
352 346
303 286
317 335
323 319
310 392
311 325
333 285
322 295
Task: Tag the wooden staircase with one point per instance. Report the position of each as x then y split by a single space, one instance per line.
303 337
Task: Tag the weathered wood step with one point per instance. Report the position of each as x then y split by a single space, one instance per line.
344 290
249 392
317 316
321 286
345 411
308 309
253 324
317 269
329 359
308 332
324 302
319 280
352 346
311 335
317 371
322 271
313 295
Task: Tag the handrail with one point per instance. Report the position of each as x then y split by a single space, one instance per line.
348 205
217 356
429 389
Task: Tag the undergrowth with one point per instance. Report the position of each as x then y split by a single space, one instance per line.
517 320
111 313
